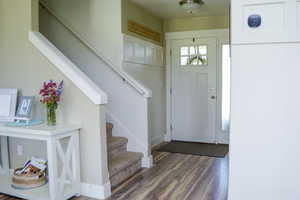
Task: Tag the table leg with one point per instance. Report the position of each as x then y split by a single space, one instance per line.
52 170
4 157
76 162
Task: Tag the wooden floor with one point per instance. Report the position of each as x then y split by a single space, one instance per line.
174 177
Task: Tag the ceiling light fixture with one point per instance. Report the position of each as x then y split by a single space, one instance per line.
191 6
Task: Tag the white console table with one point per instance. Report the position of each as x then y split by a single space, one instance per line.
62 143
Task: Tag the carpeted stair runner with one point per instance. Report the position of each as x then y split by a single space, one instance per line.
122 164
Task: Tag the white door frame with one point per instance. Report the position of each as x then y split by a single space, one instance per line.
217 33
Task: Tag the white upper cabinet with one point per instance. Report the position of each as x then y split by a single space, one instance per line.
142 52
279 21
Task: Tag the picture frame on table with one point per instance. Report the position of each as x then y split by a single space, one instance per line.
8 104
25 107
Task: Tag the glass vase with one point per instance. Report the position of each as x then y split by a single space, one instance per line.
51 115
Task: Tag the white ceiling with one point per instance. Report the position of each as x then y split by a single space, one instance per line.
170 9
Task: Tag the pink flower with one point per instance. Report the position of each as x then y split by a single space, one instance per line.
51 92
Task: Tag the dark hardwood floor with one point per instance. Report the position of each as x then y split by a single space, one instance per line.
174 177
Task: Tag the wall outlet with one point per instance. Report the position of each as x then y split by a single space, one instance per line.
20 150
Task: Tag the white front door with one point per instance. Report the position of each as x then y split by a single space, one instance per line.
194 73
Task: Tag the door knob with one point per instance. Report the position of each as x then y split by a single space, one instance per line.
213 97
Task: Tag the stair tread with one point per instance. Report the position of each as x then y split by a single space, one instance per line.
114 142
123 161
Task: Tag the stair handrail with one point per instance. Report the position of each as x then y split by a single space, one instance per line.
141 89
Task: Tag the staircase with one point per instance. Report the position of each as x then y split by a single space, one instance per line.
121 163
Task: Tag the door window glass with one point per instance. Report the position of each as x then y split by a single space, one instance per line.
193 55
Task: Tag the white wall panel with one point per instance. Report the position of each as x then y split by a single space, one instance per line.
159 57
150 55
128 50
142 52
298 16
264 137
139 53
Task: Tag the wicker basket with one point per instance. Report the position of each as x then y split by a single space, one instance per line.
28 180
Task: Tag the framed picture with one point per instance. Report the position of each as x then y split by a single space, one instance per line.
25 107
8 103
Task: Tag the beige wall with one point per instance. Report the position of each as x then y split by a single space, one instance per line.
196 23
131 11
98 22
23 67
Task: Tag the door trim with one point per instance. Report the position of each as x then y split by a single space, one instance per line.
216 33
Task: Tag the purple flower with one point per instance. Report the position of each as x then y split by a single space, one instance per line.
60 88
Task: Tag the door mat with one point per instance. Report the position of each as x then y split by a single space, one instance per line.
201 149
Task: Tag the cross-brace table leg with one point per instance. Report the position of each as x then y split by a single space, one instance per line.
63 165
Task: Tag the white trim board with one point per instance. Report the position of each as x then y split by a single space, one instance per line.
96 191
197 34
216 33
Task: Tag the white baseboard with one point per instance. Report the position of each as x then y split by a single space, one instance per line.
147 162
167 138
157 140
96 191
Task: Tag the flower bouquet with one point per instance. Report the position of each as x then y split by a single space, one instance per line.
51 97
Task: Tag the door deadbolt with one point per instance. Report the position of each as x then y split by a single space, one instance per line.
213 97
